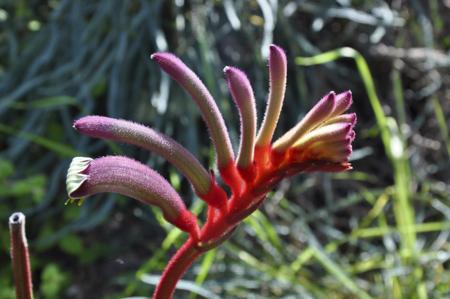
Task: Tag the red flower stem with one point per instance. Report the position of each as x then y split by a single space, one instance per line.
20 257
219 226
177 266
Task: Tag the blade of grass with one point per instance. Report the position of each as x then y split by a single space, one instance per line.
205 266
398 97
335 270
426 227
173 237
332 267
305 256
392 142
49 102
181 285
440 117
377 208
59 148
283 274
264 229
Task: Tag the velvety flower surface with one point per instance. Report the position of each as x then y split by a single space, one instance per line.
128 177
324 135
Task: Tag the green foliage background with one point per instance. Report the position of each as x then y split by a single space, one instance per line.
380 231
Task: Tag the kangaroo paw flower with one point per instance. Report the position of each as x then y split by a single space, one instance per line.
321 141
128 177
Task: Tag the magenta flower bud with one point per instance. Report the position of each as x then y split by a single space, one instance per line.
330 142
242 93
149 139
128 177
343 102
352 135
277 88
318 114
173 66
335 151
333 132
343 118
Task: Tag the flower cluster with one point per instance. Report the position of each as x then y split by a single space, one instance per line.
321 141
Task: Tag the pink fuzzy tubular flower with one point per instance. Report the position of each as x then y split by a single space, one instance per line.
128 177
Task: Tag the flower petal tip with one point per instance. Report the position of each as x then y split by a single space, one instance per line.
277 63
75 176
157 56
234 71
277 50
168 62
353 119
331 96
343 102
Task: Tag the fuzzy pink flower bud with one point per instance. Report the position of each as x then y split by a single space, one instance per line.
173 66
319 113
277 77
242 93
343 102
343 118
128 177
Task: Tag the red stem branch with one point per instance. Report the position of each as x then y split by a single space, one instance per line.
177 266
246 197
20 257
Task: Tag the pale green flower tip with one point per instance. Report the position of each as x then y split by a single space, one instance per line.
75 177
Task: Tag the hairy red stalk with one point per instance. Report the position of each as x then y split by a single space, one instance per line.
217 229
20 257
177 266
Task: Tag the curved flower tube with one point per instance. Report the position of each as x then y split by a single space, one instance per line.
173 66
320 112
242 93
128 177
277 80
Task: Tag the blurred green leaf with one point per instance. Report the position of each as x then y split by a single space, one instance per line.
71 244
46 103
53 281
59 148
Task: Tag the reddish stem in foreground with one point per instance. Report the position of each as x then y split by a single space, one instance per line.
20 257
177 266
